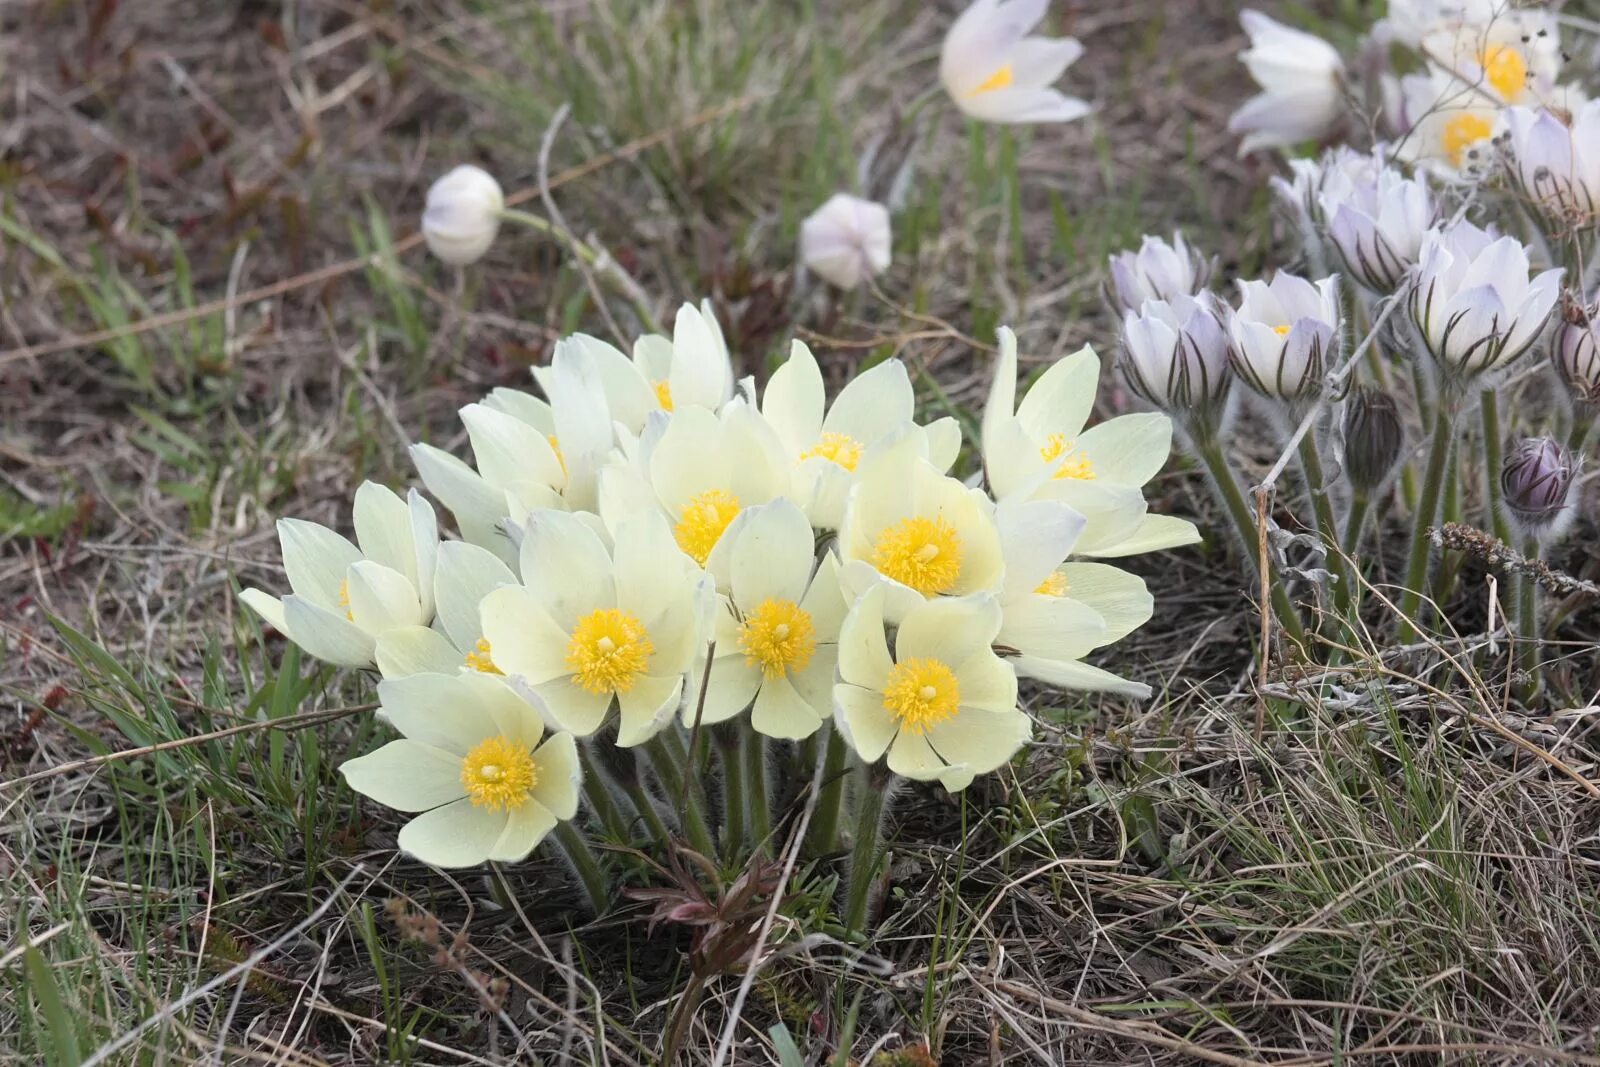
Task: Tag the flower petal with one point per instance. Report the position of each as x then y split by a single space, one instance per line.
465 575
523 639
329 637
316 560
781 711
406 775
863 721
646 707
526 826
560 775
407 650
456 835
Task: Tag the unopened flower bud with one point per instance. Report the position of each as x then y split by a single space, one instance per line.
1374 438
846 240
1175 355
1284 335
1574 349
1536 483
462 215
1157 271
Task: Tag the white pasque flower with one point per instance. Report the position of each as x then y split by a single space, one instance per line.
1374 221
996 72
1555 163
1473 303
916 532
475 763
777 629
1299 76
1409 22
846 240
1039 449
700 469
1575 349
462 215
1446 124
1175 355
464 575
343 596
943 705
826 442
1157 271
590 628
1053 613
693 369
1509 55
1284 333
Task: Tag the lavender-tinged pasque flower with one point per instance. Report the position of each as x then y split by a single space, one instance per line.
1536 484
1157 271
1283 335
1575 349
1175 355
1554 162
1299 76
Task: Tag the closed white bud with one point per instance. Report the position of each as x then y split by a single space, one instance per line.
1284 332
1157 271
1575 349
1554 162
1536 483
1175 355
846 240
462 215
1374 221
1299 75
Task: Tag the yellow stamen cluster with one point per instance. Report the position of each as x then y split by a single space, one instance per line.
1505 70
840 448
1055 585
1282 331
702 520
1462 132
922 553
498 774
998 80
778 637
921 693
1058 447
608 651
555 446
344 600
478 659
663 390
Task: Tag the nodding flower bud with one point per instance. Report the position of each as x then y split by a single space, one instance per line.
462 215
1575 349
1536 483
1175 355
1374 438
1284 335
1158 271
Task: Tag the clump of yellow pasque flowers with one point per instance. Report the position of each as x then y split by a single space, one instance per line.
650 550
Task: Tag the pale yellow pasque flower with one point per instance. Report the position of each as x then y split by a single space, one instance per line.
916 532
345 597
699 469
593 628
465 574
1040 450
476 764
777 629
827 443
943 706
995 71
1054 612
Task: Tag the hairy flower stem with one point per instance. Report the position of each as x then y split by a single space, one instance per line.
1528 622
601 800
867 850
1327 525
640 795
734 805
1440 446
760 801
669 760
1583 419
824 835
1492 457
583 861
1244 522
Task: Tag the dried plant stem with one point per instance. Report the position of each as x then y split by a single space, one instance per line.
1232 495
1493 444
867 848
1440 445
1327 524
603 265
824 836
578 852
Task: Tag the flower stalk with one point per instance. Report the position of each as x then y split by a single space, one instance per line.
758 796
867 849
576 848
1440 445
824 835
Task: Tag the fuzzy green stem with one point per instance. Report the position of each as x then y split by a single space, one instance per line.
760 801
669 760
640 795
1583 419
824 835
595 885
1355 521
1528 620
598 792
604 267
867 849
1492 445
733 797
1245 524
1327 524
1439 448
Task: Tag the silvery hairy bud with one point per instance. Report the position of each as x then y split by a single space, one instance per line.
1374 438
1175 355
1574 349
1158 271
1536 483
1284 335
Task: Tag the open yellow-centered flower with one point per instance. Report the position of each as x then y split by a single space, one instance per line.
464 576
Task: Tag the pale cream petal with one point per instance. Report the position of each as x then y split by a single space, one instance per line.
383 528
873 404
971 513
409 650
942 443
437 709
1001 405
863 651
1012 462
646 708
515 718
456 835
1070 674
763 468
566 567
950 629
523 639
509 452
733 686
1061 400
980 740
825 600
910 756
794 399
1154 533
572 707
1035 537
526 826
863 721
328 636
987 683
478 507
406 775
1113 514
690 459
780 711
381 598
465 575
1129 449
269 607
814 683
316 560
701 375
1049 626
654 578
1120 598
773 556
560 775
424 525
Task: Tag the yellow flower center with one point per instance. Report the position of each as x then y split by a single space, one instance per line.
608 651
778 637
702 521
555 446
478 659
1282 331
922 553
1078 468
920 693
998 80
1505 70
840 448
663 390
1055 585
498 774
344 600
1462 132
